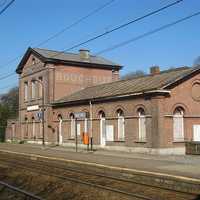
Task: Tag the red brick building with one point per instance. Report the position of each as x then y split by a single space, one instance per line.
155 113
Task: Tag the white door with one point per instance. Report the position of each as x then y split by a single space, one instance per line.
196 133
103 131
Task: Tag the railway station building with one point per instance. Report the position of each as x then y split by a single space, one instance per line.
154 113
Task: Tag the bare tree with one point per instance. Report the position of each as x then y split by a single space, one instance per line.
133 74
197 61
8 109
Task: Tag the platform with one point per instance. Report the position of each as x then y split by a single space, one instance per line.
180 173
186 166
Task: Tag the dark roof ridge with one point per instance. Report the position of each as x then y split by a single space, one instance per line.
60 51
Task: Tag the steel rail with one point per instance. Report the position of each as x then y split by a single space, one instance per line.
42 163
38 163
18 190
41 171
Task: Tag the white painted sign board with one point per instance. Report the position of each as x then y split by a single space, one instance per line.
109 133
196 133
32 108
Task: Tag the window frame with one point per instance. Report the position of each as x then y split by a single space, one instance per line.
178 117
26 91
33 89
120 125
142 129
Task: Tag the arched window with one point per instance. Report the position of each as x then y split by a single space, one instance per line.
142 125
33 128
86 123
178 124
120 124
26 127
60 137
13 131
102 117
72 125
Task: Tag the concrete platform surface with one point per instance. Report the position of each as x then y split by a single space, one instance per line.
182 166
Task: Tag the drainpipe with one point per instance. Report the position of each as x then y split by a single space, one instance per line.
91 134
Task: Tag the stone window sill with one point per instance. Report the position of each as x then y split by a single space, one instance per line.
140 141
179 141
71 139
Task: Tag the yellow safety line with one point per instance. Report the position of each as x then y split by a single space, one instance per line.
106 166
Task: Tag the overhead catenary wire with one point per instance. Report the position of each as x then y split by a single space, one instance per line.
113 30
9 86
7 76
3 3
123 25
6 7
147 34
76 22
81 19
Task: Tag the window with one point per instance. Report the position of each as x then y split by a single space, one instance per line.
120 124
86 125
40 87
102 128
178 124
33 127
26 127
33 61
72 119
60 137
142 125
78 128
33 90
25 91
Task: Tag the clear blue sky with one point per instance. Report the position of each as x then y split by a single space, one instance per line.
27 23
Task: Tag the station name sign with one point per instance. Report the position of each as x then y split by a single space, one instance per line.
80 115
32 108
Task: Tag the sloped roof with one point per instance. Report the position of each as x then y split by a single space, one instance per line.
142 84
69 58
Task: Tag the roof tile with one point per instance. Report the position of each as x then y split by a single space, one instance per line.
130 86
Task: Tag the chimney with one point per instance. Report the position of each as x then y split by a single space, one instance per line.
154 70
115 75
84 54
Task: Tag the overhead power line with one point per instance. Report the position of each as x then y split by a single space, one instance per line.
93 12
6 7
108 32
3 3
76 22
123 25
9 86
114 29
148 33
7 76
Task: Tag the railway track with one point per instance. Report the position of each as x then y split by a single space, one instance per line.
23 193
96 180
